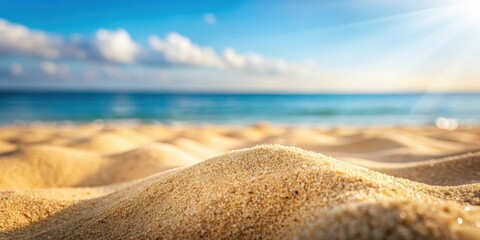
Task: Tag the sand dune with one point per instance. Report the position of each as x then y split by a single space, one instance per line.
52 166
212 140
107 143
396 218
157 132
165 154
439 172
193 148
31 137
6 147
130 134
145 161
154 181
265 192
46 166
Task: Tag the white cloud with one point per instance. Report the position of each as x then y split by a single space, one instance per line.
179 49
209 18
15 38
111 46
255 62
16 69
116 46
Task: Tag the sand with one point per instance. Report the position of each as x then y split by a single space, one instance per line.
218 182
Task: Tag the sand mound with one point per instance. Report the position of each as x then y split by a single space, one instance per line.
270 192
165 154
130 134
370 144
212 140
31 137
395 219
468 138
193 148
408 155
304 138
157 132
47 166
252 133
146 161
417 141
440 172
107 143
6 147
126 181
8 132
268 129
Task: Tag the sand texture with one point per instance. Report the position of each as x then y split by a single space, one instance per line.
263 181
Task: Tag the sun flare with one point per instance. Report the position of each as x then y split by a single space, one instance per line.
469 11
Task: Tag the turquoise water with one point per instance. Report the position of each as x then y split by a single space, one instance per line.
316 109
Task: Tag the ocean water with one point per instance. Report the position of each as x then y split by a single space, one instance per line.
299 109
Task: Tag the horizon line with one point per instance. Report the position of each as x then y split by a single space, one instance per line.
219 91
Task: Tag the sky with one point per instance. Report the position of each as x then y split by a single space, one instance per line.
241 46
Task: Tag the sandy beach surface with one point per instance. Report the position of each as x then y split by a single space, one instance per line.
146 181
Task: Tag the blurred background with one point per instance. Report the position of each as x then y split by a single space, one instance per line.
330 63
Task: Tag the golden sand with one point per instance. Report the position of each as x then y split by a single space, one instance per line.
158 182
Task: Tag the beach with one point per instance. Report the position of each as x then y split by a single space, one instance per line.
240 120
155 181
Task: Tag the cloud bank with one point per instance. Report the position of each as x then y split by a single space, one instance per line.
178 49
15 38
117 47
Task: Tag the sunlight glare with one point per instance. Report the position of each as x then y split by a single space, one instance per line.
470 11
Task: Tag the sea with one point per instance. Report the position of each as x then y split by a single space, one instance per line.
412 109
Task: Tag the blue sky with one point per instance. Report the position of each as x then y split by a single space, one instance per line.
299 46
